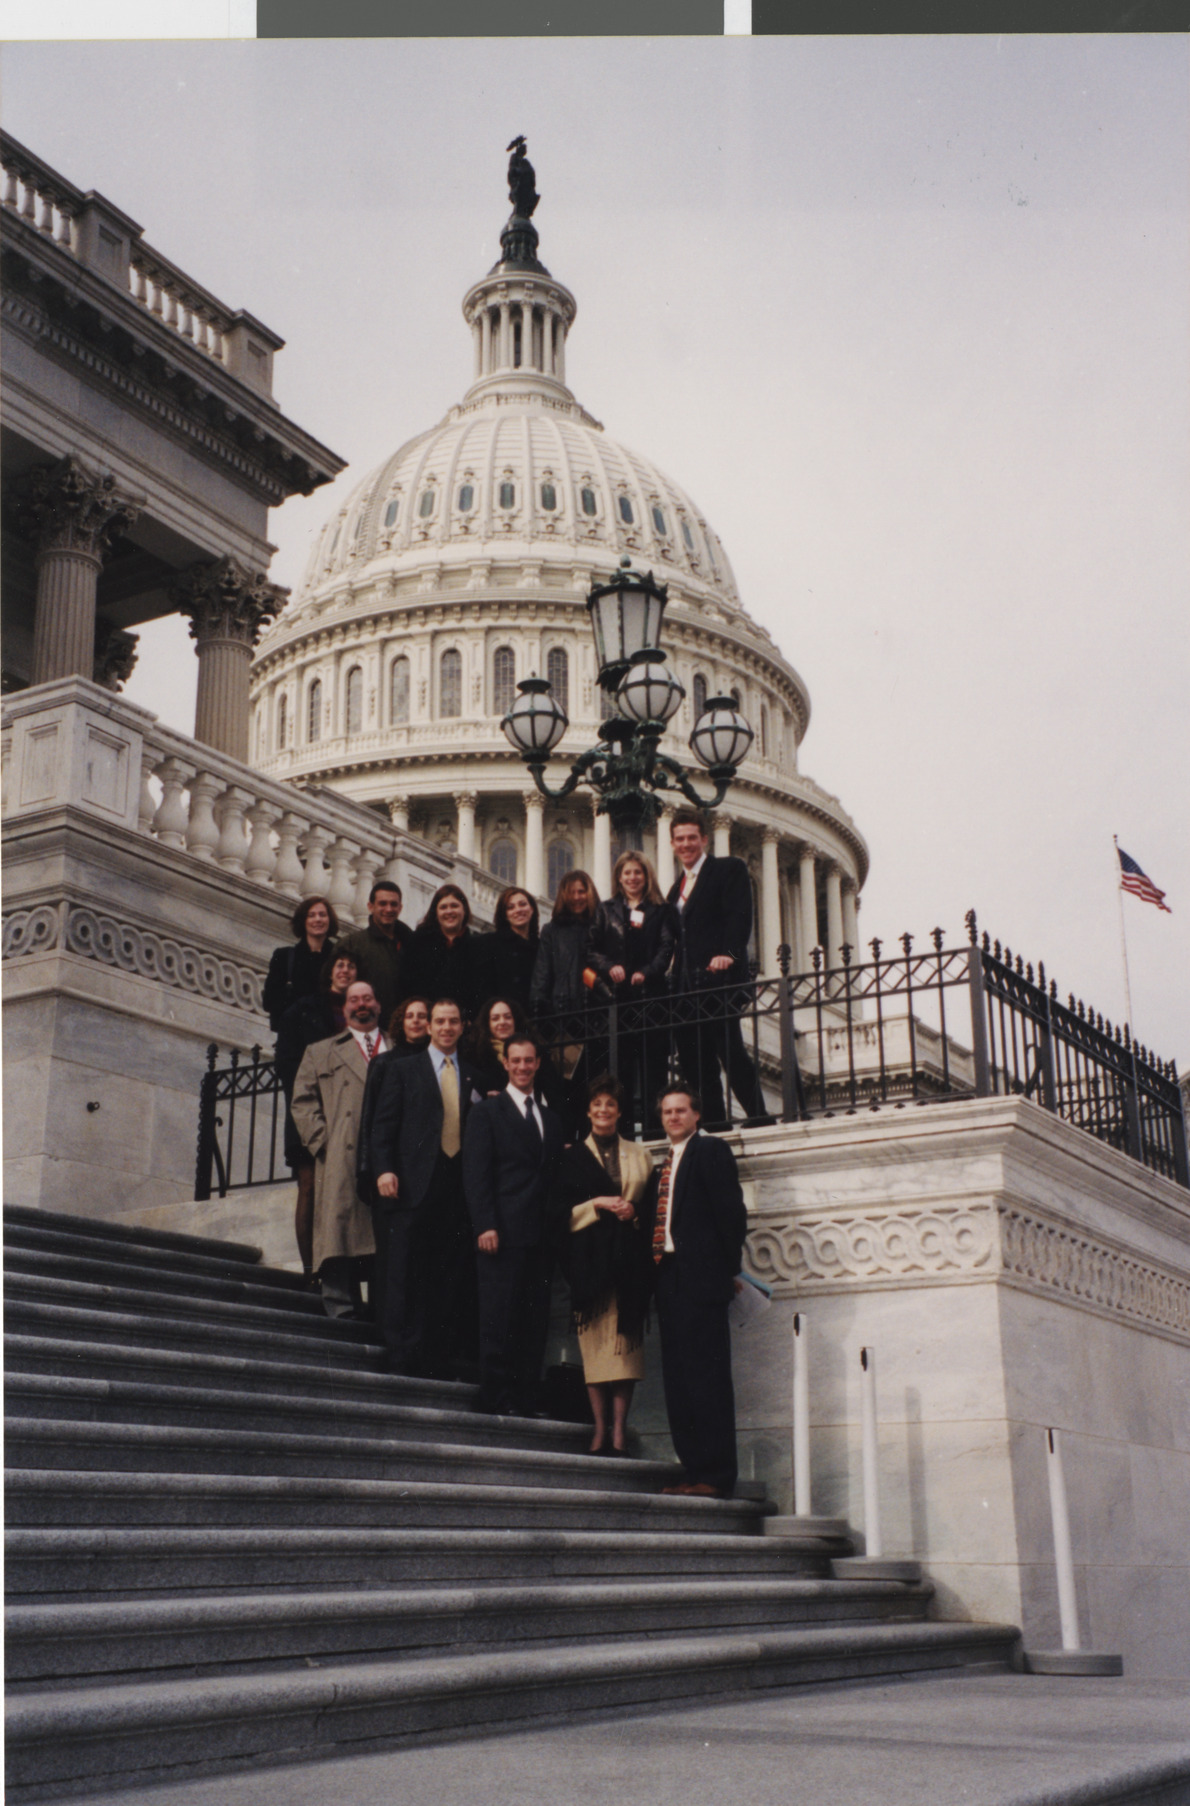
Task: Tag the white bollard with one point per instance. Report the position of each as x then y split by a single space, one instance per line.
871 1472
801 1417
1063 1559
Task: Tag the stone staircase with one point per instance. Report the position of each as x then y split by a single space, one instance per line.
233 1539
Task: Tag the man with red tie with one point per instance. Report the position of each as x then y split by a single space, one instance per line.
695 1215
328 1096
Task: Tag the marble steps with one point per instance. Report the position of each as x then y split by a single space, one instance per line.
285 1314
170 1448
156 1639
95 1499
70 1741
223 1332
84 1242
81 1396
165 1282
43 1564
65 1226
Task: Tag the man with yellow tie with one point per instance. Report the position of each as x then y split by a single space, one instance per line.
425 1259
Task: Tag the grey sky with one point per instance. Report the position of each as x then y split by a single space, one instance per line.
907 318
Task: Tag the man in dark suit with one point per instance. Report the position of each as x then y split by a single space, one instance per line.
713 898
695 1216
511 1150
425 1262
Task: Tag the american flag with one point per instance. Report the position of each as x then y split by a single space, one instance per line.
1138 884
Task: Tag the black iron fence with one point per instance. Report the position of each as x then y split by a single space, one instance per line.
917 1026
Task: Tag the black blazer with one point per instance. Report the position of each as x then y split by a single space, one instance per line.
508 966
558 969
294 972
508 1172
708 1215
717 920
435 967
404 1124
648 949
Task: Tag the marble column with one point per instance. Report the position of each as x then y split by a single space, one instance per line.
465 801
398 813
601 863
851 919
665 852
834 915
227 606
72 515
504 344
770 901
721 845
534 843
808 898
485 331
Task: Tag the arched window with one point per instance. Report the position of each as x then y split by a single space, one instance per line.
587 497
391 512
687 535
426 506
466 497
764 731
398 692
735 697
659 521
503 680
355 700
507 495
549 497
502 861
626 514
557 672
700 694
450 684
314 711
559 861
282 721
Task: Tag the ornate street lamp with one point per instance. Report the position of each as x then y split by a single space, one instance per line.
630 774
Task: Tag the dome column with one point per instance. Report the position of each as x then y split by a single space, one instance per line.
465 801
665 852
485 341
721 846
398 813
601 860
534 843
851 918
770 900
807 885
834 915
504 342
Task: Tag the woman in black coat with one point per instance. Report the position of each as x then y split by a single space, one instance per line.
561 997
310 1019
631 948
295 970
446 957
511 950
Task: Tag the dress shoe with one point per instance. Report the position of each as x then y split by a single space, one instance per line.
703 1490
673 1492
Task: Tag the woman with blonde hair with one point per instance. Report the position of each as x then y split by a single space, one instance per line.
630 947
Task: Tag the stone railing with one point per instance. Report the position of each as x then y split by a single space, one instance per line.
99 236
73 745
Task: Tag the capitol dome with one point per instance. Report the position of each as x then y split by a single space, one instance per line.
462 565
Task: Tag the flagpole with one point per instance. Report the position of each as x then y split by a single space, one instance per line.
1124 943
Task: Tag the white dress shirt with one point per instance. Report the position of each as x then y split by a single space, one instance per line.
527 1105
677 1149
689 874
379 1043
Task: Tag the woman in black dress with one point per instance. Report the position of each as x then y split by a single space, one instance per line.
310 1019
511 950
631 947
446 957
561 996
295 970
606 1260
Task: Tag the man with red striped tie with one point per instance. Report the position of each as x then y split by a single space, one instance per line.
695 1215
328 1097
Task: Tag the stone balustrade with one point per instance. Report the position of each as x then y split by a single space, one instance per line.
72 744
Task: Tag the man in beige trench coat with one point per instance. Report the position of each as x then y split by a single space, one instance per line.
328 1096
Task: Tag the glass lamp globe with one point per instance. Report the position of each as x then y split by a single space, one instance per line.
625 618
536 722
721 736
650 692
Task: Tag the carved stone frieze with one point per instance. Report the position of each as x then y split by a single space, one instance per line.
226 601
93 935
1050 1257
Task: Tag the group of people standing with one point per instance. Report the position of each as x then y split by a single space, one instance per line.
444 1156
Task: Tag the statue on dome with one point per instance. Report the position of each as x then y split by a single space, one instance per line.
522 181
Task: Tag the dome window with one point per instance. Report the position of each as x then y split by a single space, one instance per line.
282 721
314 712
426 506
687 535
626 514
587 497
466 498
399 692
659 523
502 861
508 495
700 694
503 680
560 861
549 497
391 512
355 700
557 671
450 685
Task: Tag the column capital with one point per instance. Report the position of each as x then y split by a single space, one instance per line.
65 507
226 601
535 801
115 655
771 836
398 812
466 799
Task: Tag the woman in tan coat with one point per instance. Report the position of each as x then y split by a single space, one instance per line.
606 1260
